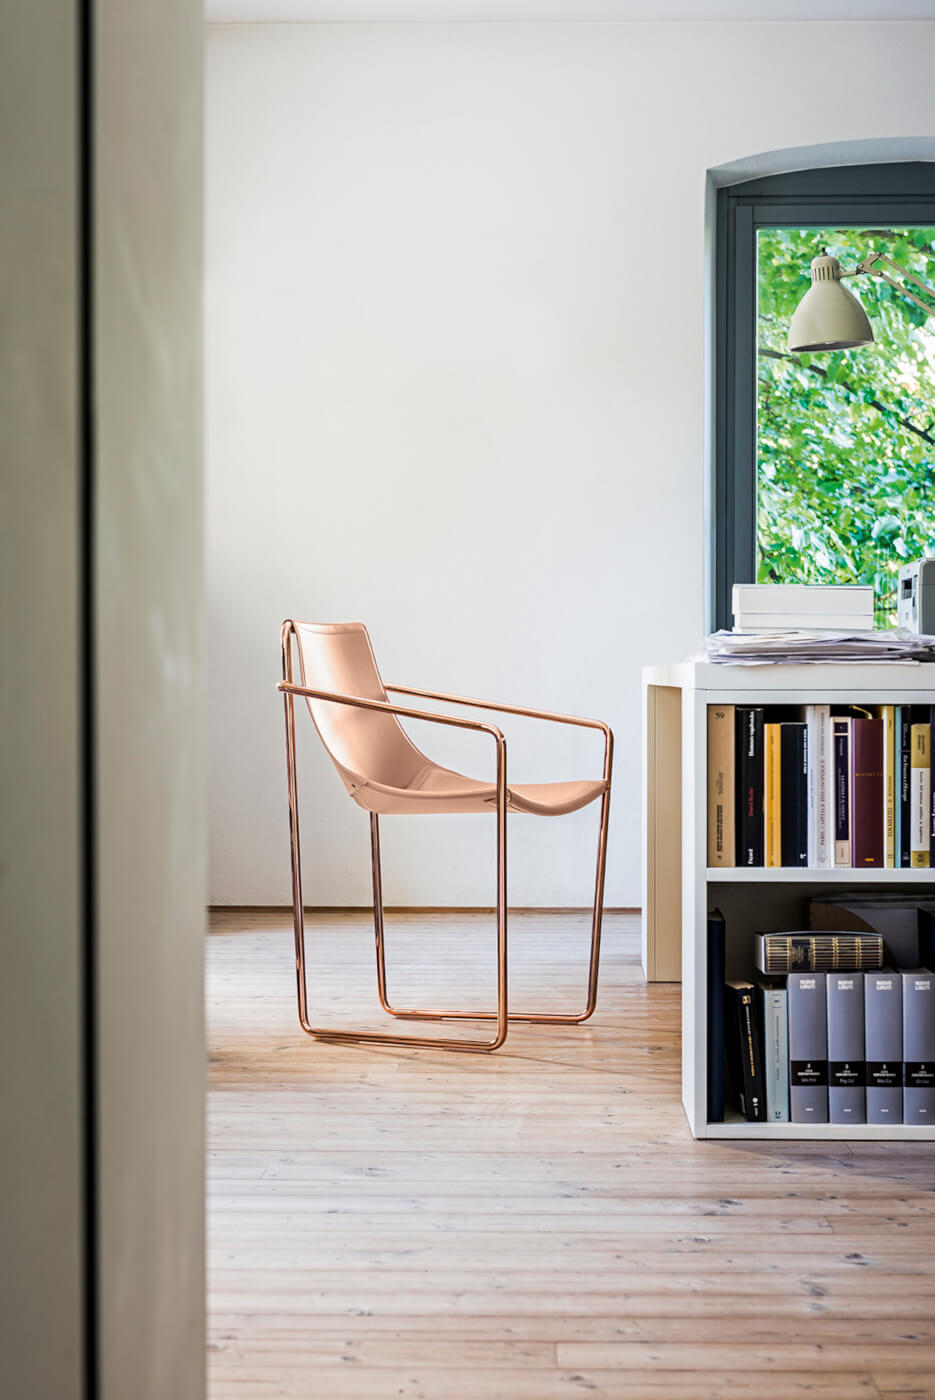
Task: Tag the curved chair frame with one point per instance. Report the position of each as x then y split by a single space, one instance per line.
502 1016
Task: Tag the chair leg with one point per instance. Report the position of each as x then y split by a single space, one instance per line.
542 1018
351 1037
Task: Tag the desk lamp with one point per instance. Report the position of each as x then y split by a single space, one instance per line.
829 317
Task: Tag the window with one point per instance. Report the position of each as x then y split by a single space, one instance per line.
825 463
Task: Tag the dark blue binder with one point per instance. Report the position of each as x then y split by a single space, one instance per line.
717 975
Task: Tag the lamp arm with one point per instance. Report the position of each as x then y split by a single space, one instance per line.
869 266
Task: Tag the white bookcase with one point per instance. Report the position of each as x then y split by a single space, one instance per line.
679 889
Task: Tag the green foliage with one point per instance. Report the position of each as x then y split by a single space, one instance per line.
845 440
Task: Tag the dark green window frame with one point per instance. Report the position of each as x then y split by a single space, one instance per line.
875 196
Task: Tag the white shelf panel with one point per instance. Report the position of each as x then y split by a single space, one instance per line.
884 680
811 875
823 1132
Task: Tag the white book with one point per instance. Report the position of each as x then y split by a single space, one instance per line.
773 1006
803 621
818 722
803 597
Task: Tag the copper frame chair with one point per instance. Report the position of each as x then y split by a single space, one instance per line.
431 787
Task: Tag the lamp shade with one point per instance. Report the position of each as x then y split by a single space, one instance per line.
828 317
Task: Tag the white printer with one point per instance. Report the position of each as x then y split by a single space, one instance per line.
915 600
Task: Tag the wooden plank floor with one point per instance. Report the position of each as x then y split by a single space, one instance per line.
536 1223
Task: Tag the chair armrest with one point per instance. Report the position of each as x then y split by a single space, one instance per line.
408 712
521 710
498 705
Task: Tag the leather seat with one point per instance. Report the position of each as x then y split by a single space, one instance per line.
438 789
381 767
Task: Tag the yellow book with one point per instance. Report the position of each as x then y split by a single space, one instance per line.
773 800
721 785
919 795
888 716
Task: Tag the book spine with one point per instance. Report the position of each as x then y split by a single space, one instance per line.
883 1020
888 716
819 758
842 790
752 1099
918 1047
808 1048
812 724
931 719
905 758
779 953
722 841
773 793
750 775
846 1092
920 795
794 822
776 1054
717 973
867 793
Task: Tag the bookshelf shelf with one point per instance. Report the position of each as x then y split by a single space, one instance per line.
679 887
804 875
820 1132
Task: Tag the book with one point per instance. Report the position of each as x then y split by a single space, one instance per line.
750 775
904 741
774 1020
772 799
744 1050
846 1083
794 825
808 1047
722 841
716 1009
818 720
931 719
918 1047
777 953
888 716
920 796
841 757
883 1046
867 811
895 917
809 606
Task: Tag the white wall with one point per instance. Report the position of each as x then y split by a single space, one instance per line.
456 356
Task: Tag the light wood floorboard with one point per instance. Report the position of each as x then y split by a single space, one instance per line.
536 1223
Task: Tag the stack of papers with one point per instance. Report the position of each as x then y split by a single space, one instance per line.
813 647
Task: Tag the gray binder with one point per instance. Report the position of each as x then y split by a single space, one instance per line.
808 1047
846 1097
918 1047
775 1022
883 1017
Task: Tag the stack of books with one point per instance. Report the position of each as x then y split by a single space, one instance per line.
821 786
803 607
826 1035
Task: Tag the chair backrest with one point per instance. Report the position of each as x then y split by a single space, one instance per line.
365 745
